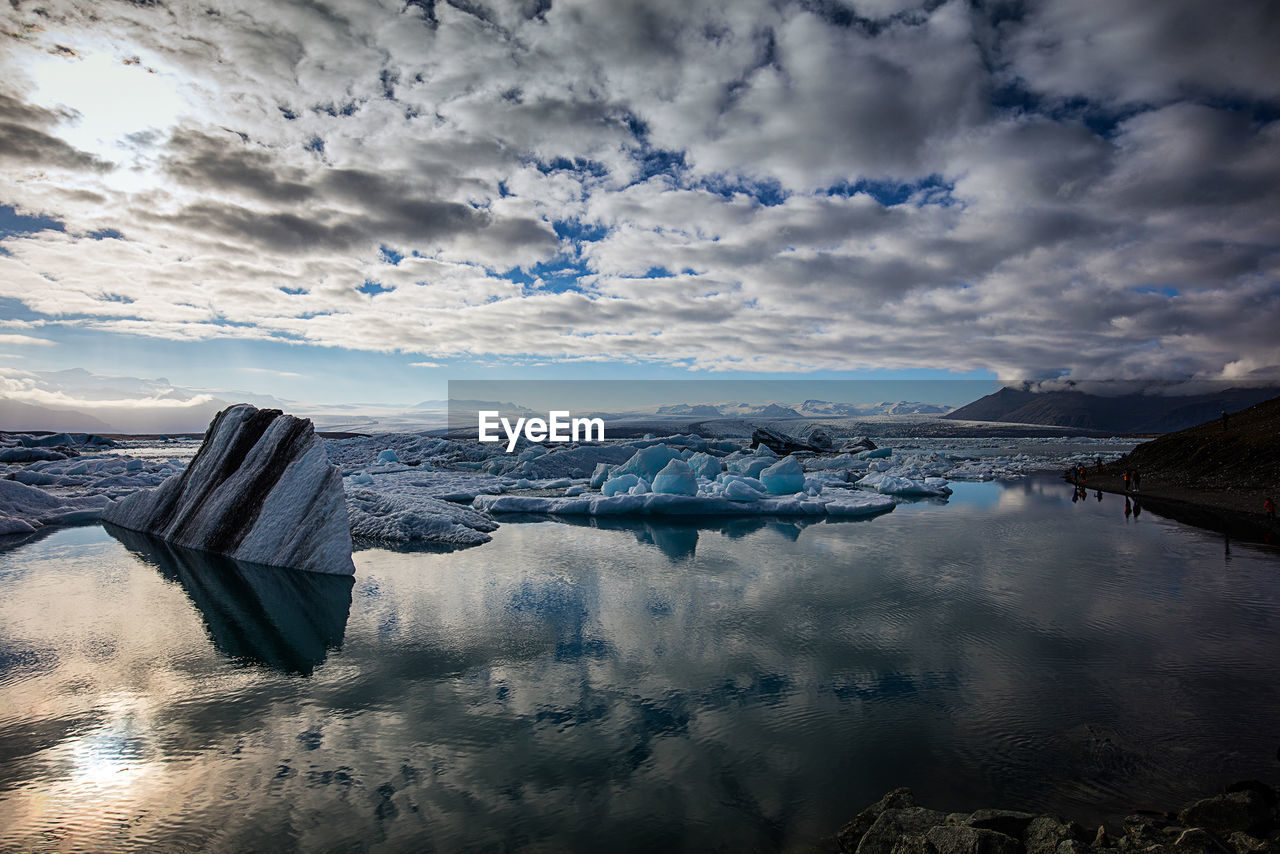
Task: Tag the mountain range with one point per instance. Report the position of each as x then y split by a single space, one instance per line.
1123 413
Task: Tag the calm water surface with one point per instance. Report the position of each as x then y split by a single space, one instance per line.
635 685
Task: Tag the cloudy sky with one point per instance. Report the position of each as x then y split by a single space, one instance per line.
359 199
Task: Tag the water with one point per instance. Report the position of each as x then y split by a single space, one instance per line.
747 685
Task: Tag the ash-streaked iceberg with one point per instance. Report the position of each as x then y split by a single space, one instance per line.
260 489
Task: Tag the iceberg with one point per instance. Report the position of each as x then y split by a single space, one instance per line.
619 484
600 475
784 477
676 478
24 508
742 489
704 465
888 484
750 466
260 489
399 518
657 504
647 462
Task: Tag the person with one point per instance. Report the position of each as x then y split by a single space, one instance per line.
1269 507
1126 480
1137 480
1224 419
1099 463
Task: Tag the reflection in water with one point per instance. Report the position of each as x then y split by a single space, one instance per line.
285 619
637 684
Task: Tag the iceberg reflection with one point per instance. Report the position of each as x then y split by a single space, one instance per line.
284 618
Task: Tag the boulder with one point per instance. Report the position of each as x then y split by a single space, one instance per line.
962 839
1241 810
1045 833
851 834
900 831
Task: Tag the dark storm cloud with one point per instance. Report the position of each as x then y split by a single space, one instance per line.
1024 187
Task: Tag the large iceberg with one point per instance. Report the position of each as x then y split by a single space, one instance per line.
260 489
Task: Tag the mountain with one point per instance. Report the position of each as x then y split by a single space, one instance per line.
1126 413
776 410
830 409
1242 455
692 410
18 417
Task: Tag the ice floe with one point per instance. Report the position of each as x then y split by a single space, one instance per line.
24 508
660 504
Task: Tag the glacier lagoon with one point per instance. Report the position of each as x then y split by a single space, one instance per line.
634 684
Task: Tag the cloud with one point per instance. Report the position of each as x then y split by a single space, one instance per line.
10 340
1017 188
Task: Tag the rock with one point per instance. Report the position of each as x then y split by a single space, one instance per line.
1263 791
1242 810
1243 843
1045 833
969 840
1009 822
260 489
851 834
858 444
1073 846
900 831
1197 840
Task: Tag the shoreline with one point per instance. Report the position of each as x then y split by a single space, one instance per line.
1235 513
1244 819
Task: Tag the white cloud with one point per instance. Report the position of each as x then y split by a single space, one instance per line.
8 340
971 232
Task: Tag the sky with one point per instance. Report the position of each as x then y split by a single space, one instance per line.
358 200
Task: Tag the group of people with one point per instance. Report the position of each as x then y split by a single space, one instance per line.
1132 480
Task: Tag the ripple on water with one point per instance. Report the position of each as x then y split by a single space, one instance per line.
636 685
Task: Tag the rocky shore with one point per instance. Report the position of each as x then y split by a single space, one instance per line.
1244 819
1216 475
